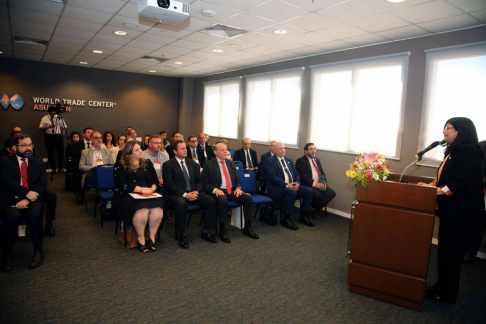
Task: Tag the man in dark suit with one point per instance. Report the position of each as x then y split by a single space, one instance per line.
204 151
312 175
221 181
23 182
183 184
192 149
283 183
262 167
176 136
79 147
247 155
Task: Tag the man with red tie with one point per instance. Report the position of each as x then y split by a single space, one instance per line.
23 182
220 180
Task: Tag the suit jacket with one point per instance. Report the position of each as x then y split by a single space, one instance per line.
304 169
174 181
170 151
263 165
462 175
86 161
77 149
275 178
211 176
125 180
189 153
200 154
241 156
10 186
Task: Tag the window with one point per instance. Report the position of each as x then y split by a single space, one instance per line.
221 108
273 107
455 83
357 106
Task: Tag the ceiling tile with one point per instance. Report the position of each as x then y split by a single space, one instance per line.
220 11
236 4
389 6
291 31
284 45
32 34
468 5
313 5
247 22
156 39
481 15
236 43
26 25
404 32
310 39
146 45
174 50
88 52
188 44
169 31
64 47
341 31
263 50
57 60
192 24
427 12
107 66
134 50
206 55
350 10
79 25
309 50
204 38
334 46
116 40
365 39
60 52
446 24
129 10
110 30
68 40
188 58
243 55
277 11
45 7
86 15
379 23
103 46
256 38
110 6
79 34
312 22
118 21
283 56
53 55
34 17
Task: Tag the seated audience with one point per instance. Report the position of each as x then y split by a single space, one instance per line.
23 182
220 180
312 175
134 174
15 130
176 136
127 130
247 155
145 142
192 149
70 149
132 135
229 152
121 141
283 184
261 167
157 157
204 151
109 143
163 136
184 186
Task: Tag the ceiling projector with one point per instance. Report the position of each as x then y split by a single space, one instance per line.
164 10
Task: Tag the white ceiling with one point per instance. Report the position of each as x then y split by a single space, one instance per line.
78 27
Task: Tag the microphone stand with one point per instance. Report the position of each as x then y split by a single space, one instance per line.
401 175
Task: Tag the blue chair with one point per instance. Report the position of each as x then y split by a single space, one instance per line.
239 166
105 183
248 180
232 152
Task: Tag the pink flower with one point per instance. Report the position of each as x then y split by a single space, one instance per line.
370 156
368 175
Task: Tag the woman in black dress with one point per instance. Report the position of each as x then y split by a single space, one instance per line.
459 198
134 174
70 150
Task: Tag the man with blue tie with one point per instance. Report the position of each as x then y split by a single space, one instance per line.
283 183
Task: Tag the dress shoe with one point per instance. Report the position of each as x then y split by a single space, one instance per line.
224 237
249 232
183 242
80 200
37 260
306 221
432 295
208 237
287 223
7 264
49 230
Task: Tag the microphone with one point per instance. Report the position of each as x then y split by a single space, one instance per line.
428 148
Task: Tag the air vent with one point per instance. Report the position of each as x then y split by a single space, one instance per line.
223 31
185 8
160 59
30 41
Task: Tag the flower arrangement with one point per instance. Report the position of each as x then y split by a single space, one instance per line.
368 167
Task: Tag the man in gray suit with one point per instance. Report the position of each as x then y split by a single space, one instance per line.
93 157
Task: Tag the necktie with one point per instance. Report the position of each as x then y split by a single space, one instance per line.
250 165
186 177
227 178
89 144
204 151
286 170
23 173
194 154
317 169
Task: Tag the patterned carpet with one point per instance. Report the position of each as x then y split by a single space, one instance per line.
284 277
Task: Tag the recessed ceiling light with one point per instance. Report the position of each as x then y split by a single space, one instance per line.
120 32
396 1
208 13
178 63
152 71
97 51
131 25
217 50
280 31
84 63
1 52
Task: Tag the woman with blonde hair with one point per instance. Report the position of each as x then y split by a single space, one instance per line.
134 174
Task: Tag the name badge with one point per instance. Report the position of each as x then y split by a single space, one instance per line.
99 161
157 165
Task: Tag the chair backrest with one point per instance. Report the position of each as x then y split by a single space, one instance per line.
104 177
248 181
239 165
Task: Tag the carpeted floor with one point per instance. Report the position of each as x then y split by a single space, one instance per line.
284 277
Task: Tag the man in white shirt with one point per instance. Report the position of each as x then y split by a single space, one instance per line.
157 157
55 129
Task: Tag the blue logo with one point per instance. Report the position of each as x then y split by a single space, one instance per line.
16 102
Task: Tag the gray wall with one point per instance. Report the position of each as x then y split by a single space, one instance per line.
146 102
336 164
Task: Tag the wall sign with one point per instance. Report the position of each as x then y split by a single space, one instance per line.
43 103
16 102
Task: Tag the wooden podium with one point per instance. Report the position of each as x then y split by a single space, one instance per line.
390 240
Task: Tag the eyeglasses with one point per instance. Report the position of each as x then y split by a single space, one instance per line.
156 143
26 145
448 127
96 138
193 141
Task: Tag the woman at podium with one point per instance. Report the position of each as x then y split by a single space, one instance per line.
459 199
